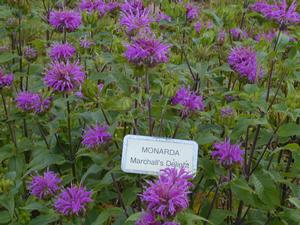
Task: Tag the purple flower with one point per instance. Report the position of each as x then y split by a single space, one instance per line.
191 12
62 51
169 194
32 102
280 12
149 52
135 20
147 219
85 43
189 100
68 20
6 80
226 112
227 154
209 25
162 16
94 6
30 54
73 201
238 34
64 77
112 6
95 136
198 26
221 37
269 36
44 186
132 5
243 61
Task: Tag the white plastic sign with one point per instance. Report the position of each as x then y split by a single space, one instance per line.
148 155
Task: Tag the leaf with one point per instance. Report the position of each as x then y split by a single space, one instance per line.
289 129
44 219
92 170
4 217
106 214
5 57
295 202
190 218
133 218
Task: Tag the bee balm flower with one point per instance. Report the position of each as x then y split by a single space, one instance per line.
96 136
65 20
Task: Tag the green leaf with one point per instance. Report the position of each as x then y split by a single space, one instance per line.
4 217
106 214
295 202
289 129
44 219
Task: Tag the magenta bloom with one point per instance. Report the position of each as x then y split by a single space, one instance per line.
135 20
198 27
192 12
227 112
68 20
221 37
32 102
228 154
189 100
132 5
44 186
96 136
30 54
149 52
238 34
162 16
62 51
85 43
269 36
169 194
73 201
64 77
280 12
94 6
243 61
6 80
112 6
147 219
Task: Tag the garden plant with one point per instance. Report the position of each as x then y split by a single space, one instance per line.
77 76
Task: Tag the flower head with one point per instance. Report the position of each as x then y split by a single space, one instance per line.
85 43
169 194
280 12
268 36
198 26
147 219
44 186
238 34
192 12
227 154
243 61
149 52
95 136
6 80
132 5
112 6
68 20
227 112
62 51
136 20
30 54
221 37
162 16
64 77
73 200
94 6
32 102
189 100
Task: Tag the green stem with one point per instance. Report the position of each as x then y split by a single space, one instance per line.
147 89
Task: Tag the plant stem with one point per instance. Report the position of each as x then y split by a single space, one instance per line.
13 137
272 67
213 201
72 156
119 195
147 90
177 127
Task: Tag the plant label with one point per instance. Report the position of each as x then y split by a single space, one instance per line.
148 155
